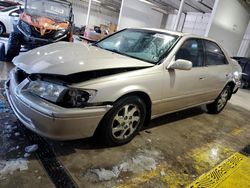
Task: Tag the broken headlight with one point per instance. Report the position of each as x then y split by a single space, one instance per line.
49 91
77 97
61 95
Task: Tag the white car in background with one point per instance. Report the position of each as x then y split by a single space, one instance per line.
8 17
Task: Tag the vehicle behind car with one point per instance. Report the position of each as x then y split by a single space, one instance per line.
245 65
41 23
6 4
9 18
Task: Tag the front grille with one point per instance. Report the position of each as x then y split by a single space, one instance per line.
20 75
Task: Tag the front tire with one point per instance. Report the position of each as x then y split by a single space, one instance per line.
121 124
14 46
219 104
2 52
2 29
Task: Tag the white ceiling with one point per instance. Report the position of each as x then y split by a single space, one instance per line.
189 6
203 6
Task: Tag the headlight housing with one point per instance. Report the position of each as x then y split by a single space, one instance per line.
59 33
61 95
46 90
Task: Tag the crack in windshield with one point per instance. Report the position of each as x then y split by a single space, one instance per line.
146 45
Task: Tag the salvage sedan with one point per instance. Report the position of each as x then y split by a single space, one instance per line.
114 87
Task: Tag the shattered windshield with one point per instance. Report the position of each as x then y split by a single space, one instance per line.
49 9
141 44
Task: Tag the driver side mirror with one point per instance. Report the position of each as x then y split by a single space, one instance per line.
181 64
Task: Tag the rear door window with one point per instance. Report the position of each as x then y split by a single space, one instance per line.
214 55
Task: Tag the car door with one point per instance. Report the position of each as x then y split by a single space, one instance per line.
217 68
185 88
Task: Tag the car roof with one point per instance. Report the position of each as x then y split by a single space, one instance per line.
181 34
165 31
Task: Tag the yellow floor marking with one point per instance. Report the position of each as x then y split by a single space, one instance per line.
239 178
233 172
162 173
208 156
205 158
174 179
237 131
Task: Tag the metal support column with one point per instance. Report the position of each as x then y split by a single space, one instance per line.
120 14
88 14
179 15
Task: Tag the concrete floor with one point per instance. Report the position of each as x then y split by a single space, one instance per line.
172 152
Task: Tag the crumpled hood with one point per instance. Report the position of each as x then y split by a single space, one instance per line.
64 58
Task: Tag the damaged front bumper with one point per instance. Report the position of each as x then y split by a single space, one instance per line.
48 119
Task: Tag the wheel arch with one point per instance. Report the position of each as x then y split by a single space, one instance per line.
231 84
145 98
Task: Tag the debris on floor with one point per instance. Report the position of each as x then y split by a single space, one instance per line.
17 134
144 160
31 148
26 155
8 167
13 148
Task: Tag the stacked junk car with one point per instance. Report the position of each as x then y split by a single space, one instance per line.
41 22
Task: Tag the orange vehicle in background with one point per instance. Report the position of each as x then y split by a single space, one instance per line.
42 22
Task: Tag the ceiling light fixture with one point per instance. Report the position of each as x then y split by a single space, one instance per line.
113 8
160 10
97 1
147 2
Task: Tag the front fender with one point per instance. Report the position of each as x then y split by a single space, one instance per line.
130 89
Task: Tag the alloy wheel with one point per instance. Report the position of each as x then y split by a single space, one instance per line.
223 99
126 121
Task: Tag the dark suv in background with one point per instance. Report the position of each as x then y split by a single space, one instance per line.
245 65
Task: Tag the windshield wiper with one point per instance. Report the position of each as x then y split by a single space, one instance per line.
97 45
115 51
111 50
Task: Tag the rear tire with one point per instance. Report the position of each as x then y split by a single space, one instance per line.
121 124
14 45
2 52
219 104
2 29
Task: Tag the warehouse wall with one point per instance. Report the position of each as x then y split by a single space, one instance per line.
196 23
229 24
193 22
244 50
96 18
171 22
139 14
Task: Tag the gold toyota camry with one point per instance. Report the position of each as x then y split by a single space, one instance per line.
114 87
